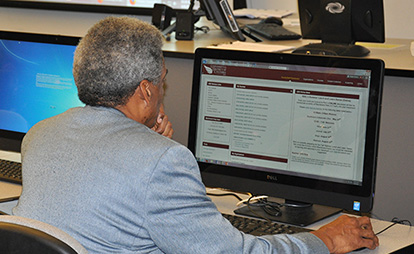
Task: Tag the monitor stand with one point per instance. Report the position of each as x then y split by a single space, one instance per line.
333 49
298 216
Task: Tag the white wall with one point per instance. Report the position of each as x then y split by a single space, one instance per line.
275 4
49 21
399 19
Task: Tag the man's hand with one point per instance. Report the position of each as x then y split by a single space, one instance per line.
347 233
163 126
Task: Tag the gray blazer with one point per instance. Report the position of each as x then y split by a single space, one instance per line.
118 187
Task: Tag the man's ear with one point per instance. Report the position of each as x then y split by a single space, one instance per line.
144 91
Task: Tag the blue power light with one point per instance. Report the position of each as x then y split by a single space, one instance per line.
357 206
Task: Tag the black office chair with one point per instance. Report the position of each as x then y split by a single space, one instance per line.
22 235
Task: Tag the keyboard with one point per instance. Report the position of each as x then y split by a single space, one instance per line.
10 171
261 227
273 31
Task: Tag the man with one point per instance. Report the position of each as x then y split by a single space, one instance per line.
102 175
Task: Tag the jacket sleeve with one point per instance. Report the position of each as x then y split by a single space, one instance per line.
181 218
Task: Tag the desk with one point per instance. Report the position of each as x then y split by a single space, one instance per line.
395 52
9 191
393 239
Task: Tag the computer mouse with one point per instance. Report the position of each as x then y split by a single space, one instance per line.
274 20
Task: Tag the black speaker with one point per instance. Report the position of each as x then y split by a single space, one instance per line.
161 16
184 29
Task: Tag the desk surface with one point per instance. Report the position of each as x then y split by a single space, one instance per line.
391 240
9 191
395 52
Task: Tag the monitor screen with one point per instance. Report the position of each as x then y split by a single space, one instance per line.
339 24
36 81
143 7
298 127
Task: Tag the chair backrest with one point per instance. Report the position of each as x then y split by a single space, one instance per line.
23 235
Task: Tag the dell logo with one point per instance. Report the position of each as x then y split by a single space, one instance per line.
335 8
270 177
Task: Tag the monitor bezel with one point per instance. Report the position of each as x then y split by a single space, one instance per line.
294 187
11 140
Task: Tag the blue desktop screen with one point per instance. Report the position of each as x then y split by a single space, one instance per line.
36 83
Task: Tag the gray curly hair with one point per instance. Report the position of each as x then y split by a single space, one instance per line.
114 57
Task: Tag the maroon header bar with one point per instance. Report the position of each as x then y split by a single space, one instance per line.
339 95
210 83
258 156
217 119
216 145
263 88
286 75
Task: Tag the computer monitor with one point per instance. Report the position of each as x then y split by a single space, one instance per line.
339 24
36 82
298 127
220 13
